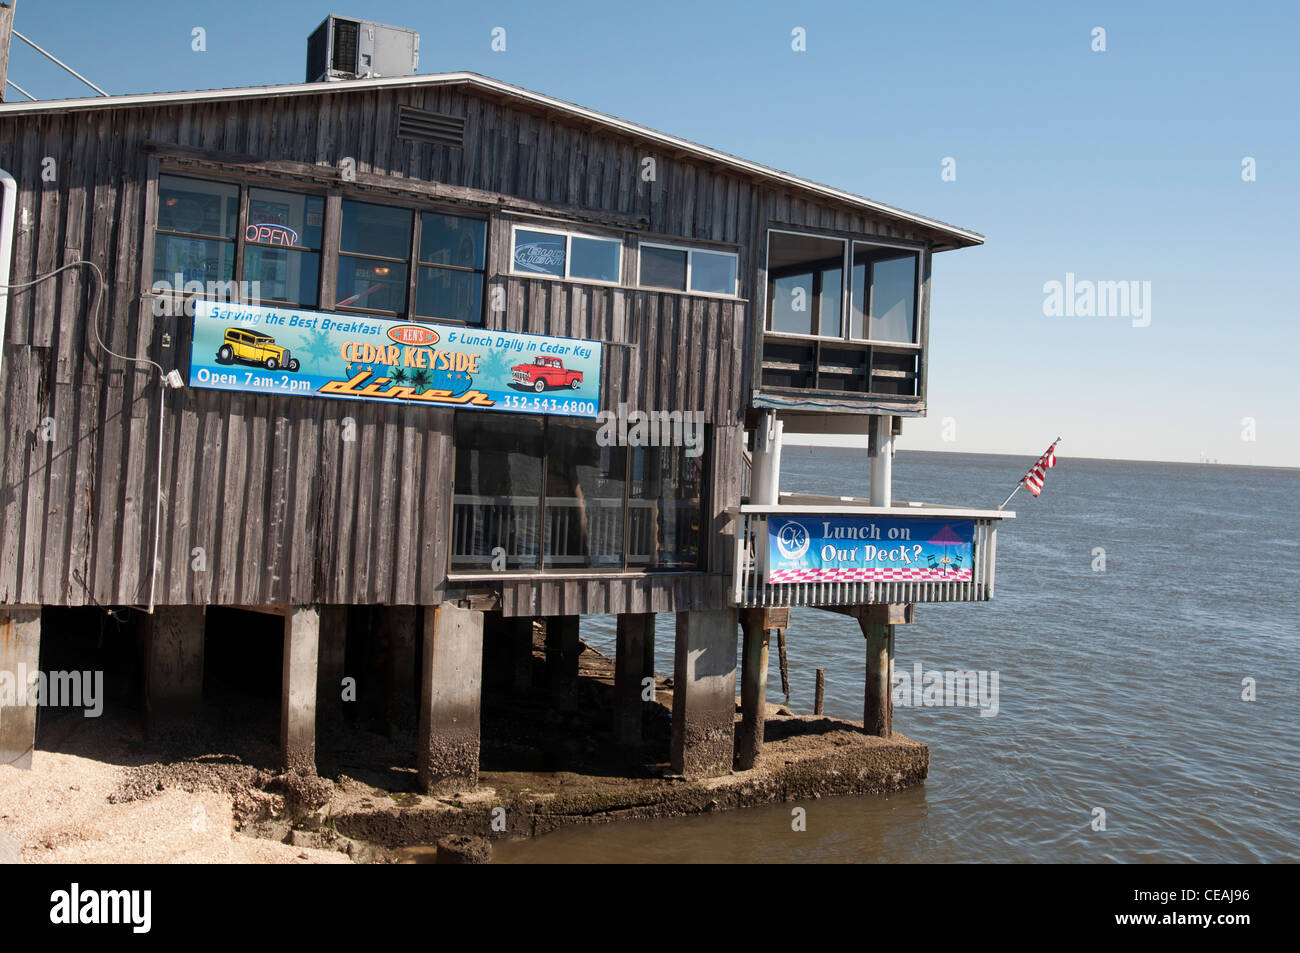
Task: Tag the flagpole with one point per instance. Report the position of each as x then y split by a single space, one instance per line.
1031 470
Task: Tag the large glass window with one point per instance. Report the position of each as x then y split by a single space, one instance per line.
374 252
195 237
687 269
565 255
282 246
547 494
585 490
665 508
805 275
498 488
452 259
884 293
807 289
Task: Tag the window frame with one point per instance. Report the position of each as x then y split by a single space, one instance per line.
417 264
846 290
624 567
412 246
569 235
690 255
331 228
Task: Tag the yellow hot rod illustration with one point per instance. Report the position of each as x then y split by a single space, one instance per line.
250 347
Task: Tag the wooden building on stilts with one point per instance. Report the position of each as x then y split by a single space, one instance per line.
452 358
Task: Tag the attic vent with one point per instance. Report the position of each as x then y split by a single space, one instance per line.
421 125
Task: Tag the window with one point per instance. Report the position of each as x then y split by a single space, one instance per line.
807 290
665 508
386 265
498 488
688 269
195 238
550 496
805 275
282 246
374 256
566 255
452 259
884 291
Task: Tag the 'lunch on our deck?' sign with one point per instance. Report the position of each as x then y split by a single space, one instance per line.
815 548
286 351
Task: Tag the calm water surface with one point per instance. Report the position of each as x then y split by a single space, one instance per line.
1119 690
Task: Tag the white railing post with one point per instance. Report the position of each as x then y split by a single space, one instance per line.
882 462
765 481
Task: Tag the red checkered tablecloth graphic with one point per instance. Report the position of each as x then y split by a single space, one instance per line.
778 576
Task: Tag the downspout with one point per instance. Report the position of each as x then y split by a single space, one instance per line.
8 212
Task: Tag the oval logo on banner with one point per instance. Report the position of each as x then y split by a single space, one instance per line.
413 334
793 540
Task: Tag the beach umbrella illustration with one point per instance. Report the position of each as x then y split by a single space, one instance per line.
945 538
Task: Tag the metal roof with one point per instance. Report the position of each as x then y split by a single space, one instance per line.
959 236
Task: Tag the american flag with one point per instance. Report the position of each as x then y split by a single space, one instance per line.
1033 480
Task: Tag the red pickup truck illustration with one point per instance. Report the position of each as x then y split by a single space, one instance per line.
545 372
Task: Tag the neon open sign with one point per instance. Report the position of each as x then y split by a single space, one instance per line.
271 234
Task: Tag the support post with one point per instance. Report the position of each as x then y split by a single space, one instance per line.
298 689
753 688
765 478
878 707
395 629
20 659
6 31
635 647
451 686
562 660
332 666
520 635
174 665
704 693
881 450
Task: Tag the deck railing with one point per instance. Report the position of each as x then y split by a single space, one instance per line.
579 532
751 588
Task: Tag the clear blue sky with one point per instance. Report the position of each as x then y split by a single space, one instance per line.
1115 165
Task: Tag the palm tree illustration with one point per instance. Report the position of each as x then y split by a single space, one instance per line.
397 375
421 379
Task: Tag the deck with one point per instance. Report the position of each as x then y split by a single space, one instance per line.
967 575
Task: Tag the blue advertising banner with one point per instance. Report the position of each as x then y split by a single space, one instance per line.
311 353
864 548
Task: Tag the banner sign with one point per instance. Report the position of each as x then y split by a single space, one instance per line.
868 549
285 351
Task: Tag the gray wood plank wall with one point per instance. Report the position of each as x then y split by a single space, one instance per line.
264 492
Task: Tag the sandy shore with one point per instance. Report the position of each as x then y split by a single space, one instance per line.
70 809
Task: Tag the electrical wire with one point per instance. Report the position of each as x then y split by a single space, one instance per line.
96 310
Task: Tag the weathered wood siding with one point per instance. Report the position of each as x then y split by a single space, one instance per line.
265 500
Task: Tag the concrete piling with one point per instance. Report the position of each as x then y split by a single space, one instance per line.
395 636
451 691
753 688
174 642
331 667
704 693
633 662
520 636
20 650
298 689
878 708
562 660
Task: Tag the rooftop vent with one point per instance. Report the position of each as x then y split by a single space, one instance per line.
341 48
421 125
